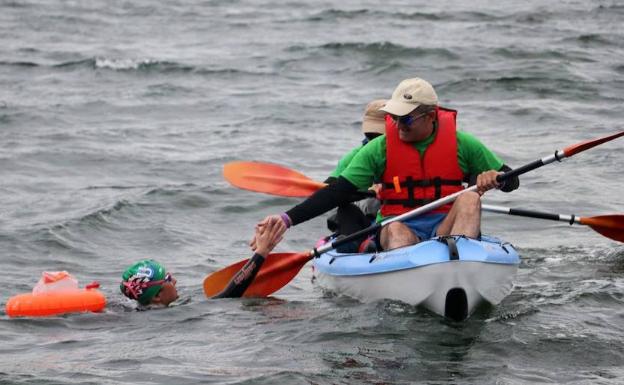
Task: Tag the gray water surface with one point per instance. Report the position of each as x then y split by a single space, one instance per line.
117 117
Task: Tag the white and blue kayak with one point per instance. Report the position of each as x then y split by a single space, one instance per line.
450 276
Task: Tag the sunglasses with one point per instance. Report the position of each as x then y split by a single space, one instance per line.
135 288
408 119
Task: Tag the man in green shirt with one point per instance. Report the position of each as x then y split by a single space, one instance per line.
421 158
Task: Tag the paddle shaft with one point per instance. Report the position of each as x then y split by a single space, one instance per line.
610 225
571 219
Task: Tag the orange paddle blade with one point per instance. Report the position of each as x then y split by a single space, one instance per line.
270 179
611 226
586 145
277 270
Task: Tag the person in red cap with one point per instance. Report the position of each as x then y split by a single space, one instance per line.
421 158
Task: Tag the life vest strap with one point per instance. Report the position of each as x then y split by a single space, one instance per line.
411 184
407 202
425 182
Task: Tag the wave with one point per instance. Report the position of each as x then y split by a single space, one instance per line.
18 64
509 20
114 187
387 49
333 14
595 39
15 4
545 54
109 63
126 65
338 14
141 64
101 216
540 84
187 195
573 291
544 16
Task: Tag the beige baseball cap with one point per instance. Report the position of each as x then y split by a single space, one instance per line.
374 120
410 94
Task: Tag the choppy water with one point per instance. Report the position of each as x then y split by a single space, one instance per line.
116 118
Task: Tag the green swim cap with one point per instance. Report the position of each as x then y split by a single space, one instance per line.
135 280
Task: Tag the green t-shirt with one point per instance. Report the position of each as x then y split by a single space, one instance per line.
344 162
369 162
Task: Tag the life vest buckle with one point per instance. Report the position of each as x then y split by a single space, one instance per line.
397 184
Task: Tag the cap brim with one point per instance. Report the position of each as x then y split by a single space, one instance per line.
375 126
397 108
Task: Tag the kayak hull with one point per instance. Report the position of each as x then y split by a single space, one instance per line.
426 274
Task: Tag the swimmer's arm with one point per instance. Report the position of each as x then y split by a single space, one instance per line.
241 280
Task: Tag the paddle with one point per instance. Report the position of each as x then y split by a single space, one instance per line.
285 271
270 178
277 180
611 226
245 175
277 270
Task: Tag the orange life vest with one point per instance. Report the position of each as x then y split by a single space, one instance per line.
411 180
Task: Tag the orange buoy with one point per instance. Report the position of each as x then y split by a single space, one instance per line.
56 293
45 304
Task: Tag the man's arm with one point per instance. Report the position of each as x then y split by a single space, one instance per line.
323 200
477 160
359 174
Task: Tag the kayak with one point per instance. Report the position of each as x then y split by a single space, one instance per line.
450 276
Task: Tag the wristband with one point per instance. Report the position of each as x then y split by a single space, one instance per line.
286 219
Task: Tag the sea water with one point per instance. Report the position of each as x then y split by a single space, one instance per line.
116 118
